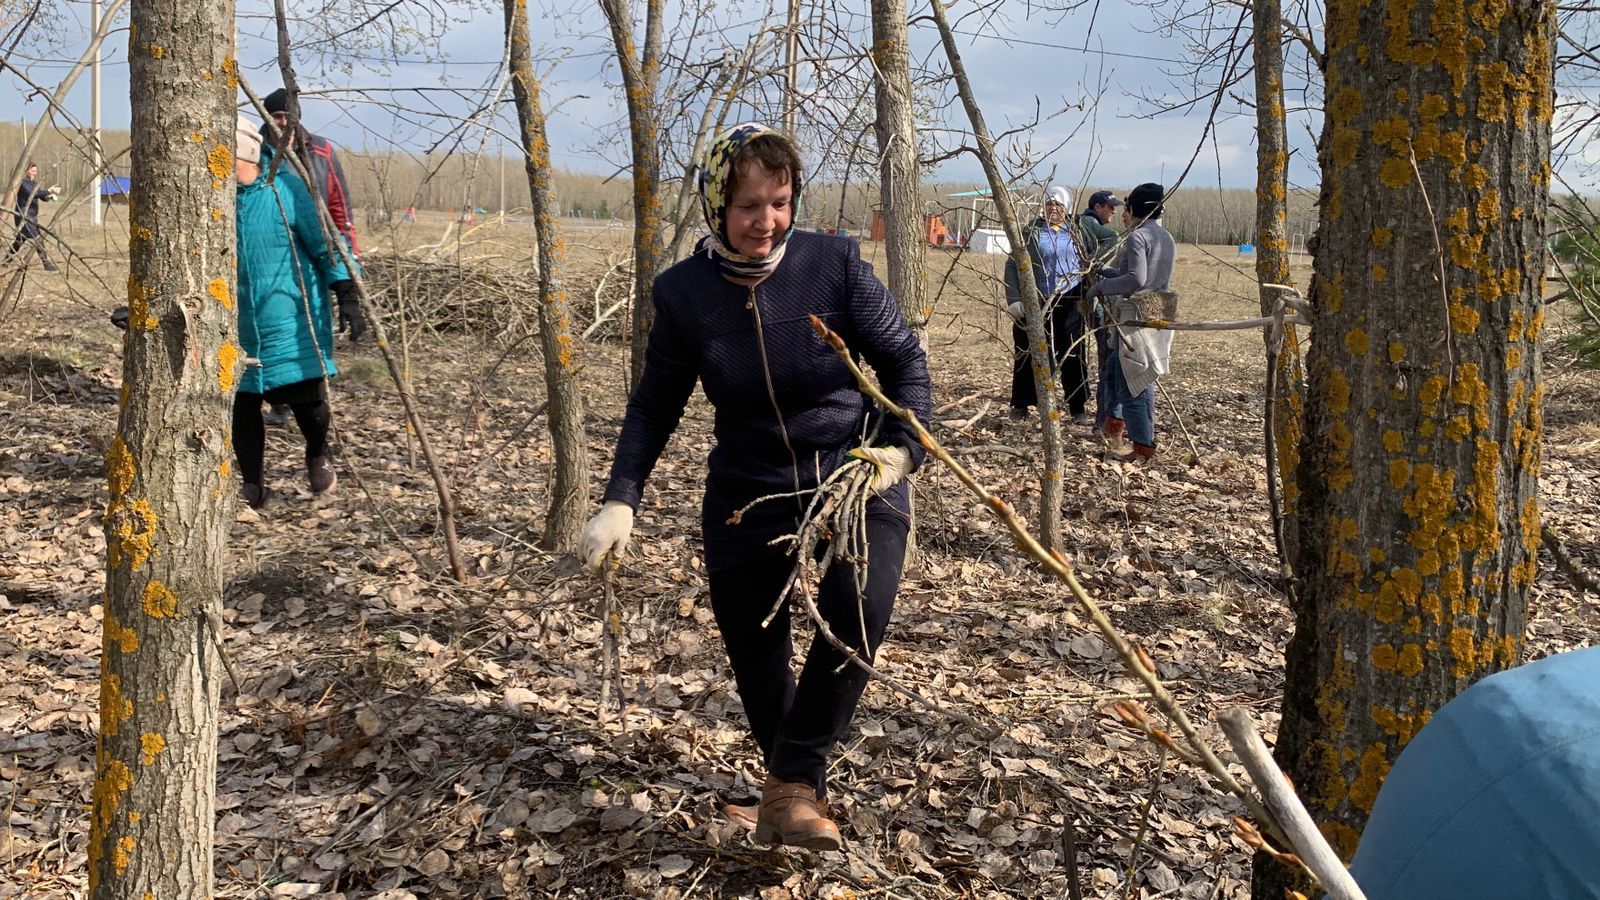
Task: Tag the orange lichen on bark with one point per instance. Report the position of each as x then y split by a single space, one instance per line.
152 744
159 600
120 470
1374 768
218 288
114 708
227 362
114 632
133 530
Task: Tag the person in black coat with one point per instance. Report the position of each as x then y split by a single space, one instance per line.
29 196
734 317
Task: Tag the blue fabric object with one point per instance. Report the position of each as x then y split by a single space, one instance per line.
290 332
1498 797
705 331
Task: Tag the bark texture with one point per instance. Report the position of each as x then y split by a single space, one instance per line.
1418 507
900 177
171 493
1043 372
1284 398
570 496
641 73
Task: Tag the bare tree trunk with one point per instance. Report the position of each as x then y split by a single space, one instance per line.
171 492
640 75
1043 377
1418 510
569 497
900 176
1285 403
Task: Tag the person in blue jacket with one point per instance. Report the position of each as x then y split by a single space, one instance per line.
734 317
286 271
1498 796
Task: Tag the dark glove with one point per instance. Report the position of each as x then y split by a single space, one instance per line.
349 308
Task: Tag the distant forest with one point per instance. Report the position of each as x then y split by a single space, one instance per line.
389 182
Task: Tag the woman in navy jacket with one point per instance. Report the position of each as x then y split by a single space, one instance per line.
734 317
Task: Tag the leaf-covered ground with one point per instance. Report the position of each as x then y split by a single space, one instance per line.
399 735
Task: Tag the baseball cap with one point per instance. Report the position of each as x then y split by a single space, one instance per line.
1106 197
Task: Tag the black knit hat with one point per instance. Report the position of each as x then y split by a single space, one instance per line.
277 101
1144 201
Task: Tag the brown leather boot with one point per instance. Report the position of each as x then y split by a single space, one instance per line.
789 816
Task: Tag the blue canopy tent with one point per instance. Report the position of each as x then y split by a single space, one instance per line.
115 188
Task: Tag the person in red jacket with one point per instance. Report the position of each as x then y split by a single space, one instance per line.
322 161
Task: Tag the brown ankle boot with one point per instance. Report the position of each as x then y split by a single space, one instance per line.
789 815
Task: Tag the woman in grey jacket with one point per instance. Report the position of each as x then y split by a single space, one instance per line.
1125 400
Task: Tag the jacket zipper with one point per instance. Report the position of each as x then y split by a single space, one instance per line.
772 394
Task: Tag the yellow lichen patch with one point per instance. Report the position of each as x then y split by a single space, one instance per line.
1395 173
159 600
122 395
227 361
1374 769
120 470
1463 650
157 51
112 780
122 854
1377 556
1393 440
218 289
113 632
139 297
132 527
1408 661
1382 237
1399 473
219 162
225 467
1355 342
1464 319
1383 657
152 744
1380 274
114 708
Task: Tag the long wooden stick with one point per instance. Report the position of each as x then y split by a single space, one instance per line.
1303 835
1133 659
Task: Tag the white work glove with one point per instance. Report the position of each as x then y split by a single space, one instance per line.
52 192
606 533
893 463
1016 311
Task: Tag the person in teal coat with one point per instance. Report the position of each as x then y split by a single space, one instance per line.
286 272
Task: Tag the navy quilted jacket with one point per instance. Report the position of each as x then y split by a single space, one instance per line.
705 330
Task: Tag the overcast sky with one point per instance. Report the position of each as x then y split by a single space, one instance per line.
1035 57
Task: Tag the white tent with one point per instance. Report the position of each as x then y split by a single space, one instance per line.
989 240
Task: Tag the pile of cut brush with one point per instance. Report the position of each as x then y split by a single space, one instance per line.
492 298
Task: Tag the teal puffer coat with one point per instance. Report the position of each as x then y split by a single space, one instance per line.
285 315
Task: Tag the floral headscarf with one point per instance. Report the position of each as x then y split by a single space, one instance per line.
716 171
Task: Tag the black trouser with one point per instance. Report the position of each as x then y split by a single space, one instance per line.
309 401
1068 352
28 232
795 723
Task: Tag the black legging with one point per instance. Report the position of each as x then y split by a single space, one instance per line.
309 401
1069 352
797 723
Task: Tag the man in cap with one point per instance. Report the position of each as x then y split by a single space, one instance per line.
1058 275
1094 224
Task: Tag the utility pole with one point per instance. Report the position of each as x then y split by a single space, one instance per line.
502 178
94 117
791 46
